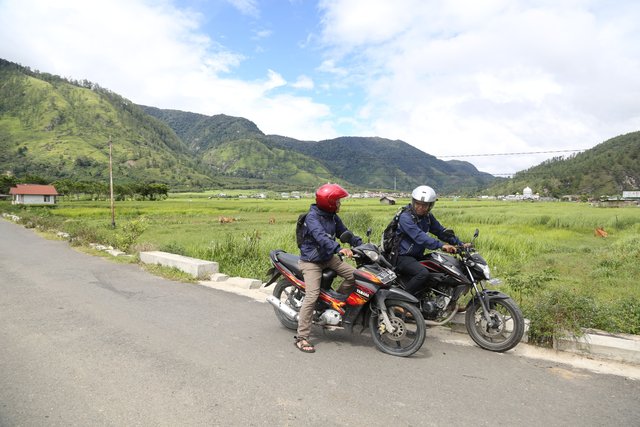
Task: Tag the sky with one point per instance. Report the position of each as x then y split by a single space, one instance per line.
482 81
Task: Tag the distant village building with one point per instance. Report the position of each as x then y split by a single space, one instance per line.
387 200
527 194
631 195
33 194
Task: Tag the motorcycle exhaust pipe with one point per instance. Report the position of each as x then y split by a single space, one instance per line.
285 309
443 322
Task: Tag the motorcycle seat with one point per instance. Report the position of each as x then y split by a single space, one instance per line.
291 262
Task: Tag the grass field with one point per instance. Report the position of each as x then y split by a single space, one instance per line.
550 261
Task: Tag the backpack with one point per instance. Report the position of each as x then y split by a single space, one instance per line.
300 229
391 239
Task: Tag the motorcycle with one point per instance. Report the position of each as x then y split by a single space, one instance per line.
493 320
396 324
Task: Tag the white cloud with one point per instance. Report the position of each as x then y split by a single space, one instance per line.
303 82
152 54
459 77
451 77
262 34
246 7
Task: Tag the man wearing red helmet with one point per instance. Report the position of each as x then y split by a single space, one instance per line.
318 251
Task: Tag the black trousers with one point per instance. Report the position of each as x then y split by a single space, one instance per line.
418 273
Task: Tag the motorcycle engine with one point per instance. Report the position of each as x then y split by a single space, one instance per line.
329 317
434 304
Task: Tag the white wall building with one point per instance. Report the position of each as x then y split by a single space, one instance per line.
33 194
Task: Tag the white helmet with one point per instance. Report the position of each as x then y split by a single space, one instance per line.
425 196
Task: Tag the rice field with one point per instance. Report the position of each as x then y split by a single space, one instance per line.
546 252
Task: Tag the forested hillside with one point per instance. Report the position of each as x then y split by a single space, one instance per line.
54 128
235 146
382 163
608 169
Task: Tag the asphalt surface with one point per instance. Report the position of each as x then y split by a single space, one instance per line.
86 341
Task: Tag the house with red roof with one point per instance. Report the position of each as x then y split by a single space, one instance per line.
33 194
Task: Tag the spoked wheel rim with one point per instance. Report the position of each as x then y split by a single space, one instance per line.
497 327
504 330
408 331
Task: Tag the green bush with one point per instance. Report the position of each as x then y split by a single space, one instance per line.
554 313
127 234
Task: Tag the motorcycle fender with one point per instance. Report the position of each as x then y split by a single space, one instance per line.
274 273
489 295
396 294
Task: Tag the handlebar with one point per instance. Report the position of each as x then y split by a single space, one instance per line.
462 250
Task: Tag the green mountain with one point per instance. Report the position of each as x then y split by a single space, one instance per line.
606 169
373 162
233 145
58 128
55 128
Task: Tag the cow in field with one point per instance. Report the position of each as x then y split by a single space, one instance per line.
225 219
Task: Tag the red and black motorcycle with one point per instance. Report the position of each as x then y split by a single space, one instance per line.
396 324
494 321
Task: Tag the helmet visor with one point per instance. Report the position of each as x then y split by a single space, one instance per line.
422 208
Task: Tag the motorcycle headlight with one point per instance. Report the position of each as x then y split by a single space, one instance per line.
373 255
485 270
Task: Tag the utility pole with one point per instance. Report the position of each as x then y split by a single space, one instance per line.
113 212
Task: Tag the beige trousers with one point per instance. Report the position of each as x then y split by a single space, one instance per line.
312 272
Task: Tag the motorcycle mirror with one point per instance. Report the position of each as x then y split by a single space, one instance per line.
346 236
476 233
369 234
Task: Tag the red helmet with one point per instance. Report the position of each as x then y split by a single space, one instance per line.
327 197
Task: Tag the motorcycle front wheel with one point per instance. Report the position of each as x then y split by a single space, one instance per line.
505 329
409 329
290 296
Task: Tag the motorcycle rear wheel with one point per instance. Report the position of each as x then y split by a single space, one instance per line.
410 329
507 331
286 293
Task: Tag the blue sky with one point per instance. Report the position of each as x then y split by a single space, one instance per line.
451 77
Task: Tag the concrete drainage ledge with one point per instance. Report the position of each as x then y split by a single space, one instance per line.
593 343
618 347
195 267
206 271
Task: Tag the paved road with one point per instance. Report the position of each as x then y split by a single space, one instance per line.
85 341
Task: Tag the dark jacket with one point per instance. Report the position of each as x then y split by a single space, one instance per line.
415 238
321 229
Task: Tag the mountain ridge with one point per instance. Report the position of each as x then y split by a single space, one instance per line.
60 129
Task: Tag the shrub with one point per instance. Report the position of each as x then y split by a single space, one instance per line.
555 313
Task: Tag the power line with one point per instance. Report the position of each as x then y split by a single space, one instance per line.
512 154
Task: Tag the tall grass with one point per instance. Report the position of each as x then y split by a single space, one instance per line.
562 275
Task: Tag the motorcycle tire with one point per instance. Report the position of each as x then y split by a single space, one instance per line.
409 335
284 291
508 330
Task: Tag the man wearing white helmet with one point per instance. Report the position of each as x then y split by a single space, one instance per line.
414 226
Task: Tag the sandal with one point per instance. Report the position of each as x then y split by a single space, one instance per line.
304 345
